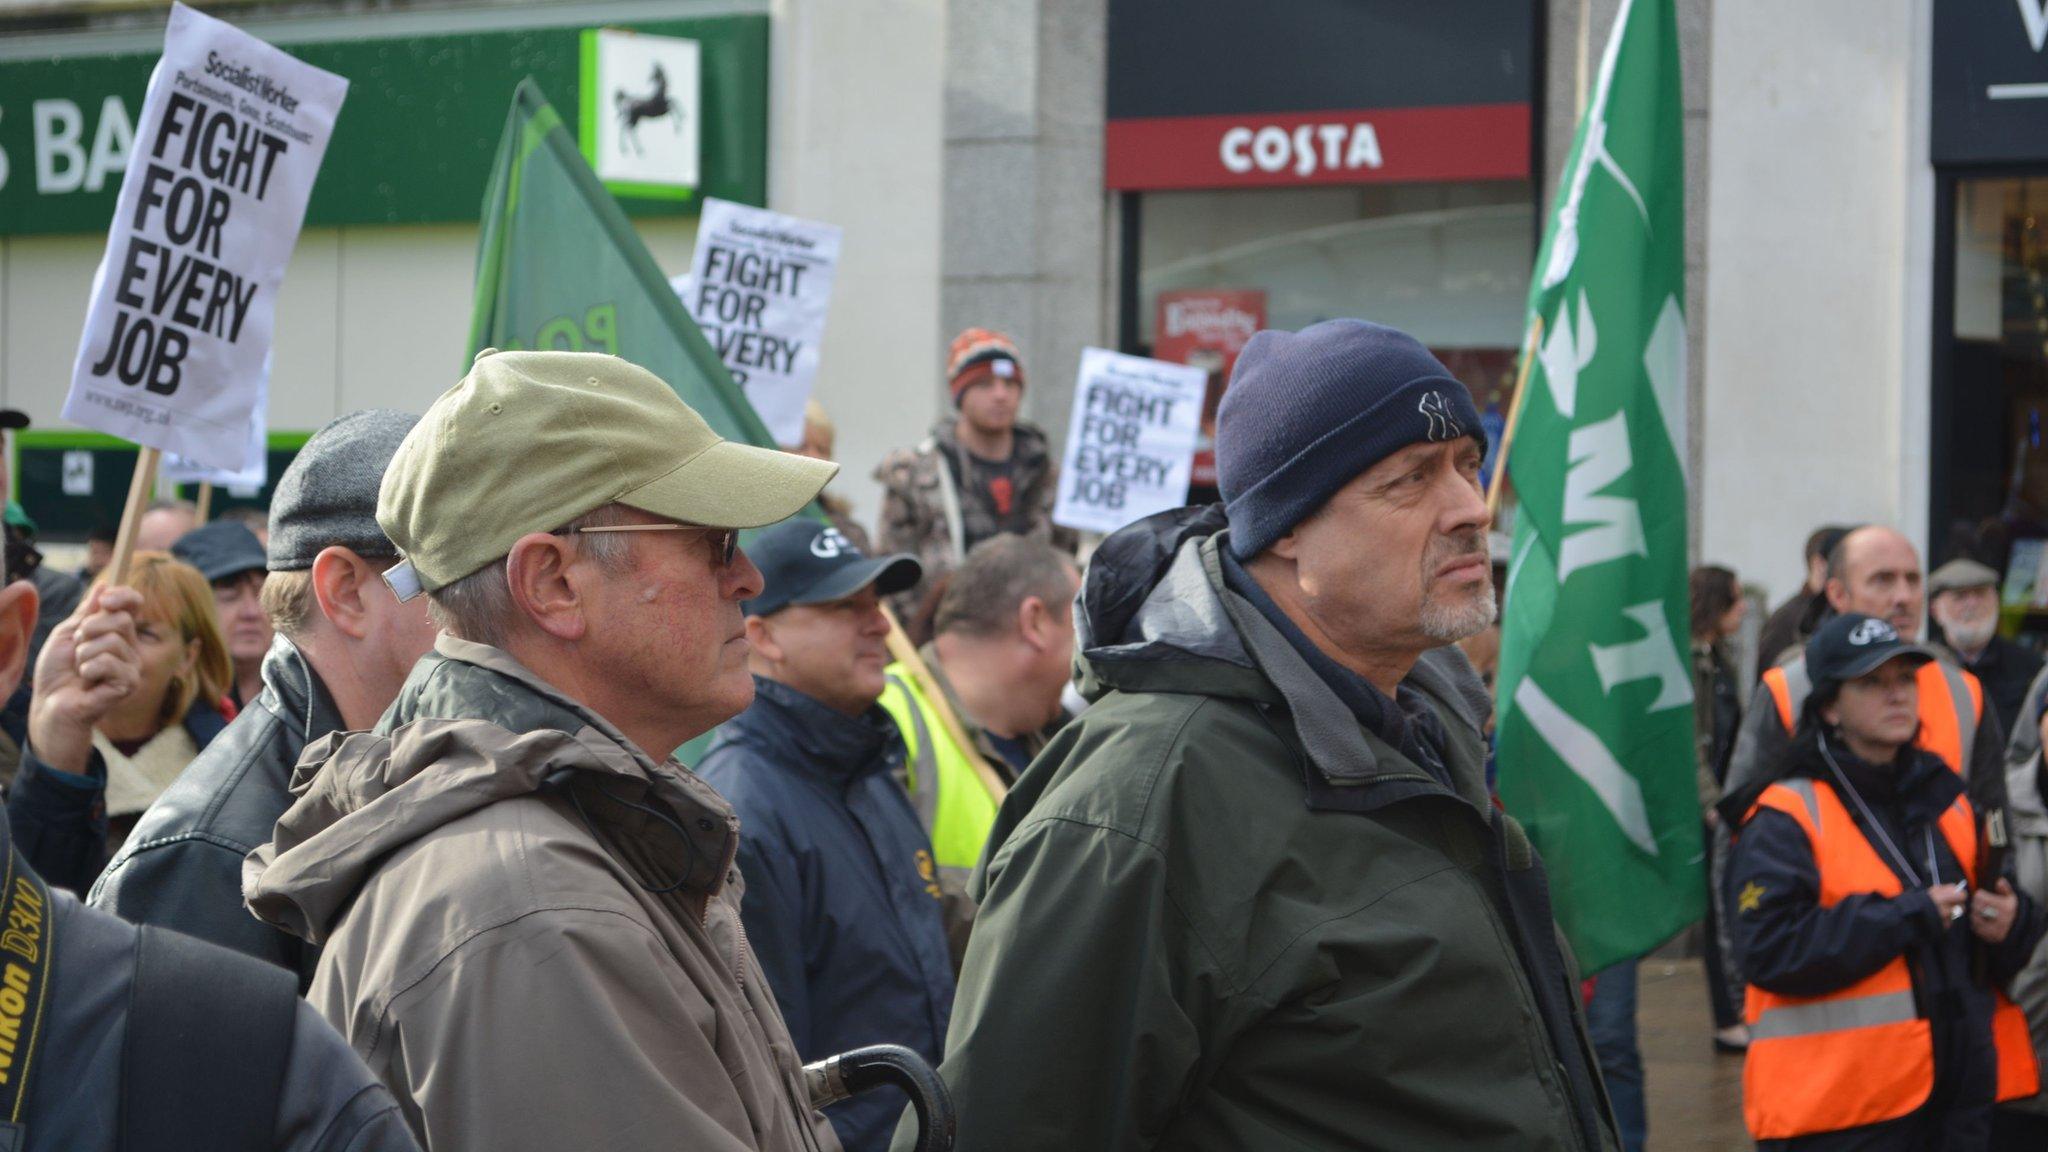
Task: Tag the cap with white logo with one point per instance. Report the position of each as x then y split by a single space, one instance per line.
1852 646
805 561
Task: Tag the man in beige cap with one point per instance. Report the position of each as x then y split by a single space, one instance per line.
1962 598
529 911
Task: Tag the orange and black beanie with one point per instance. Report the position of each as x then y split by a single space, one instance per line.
978 354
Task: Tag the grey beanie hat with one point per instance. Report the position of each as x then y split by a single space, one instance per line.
329 494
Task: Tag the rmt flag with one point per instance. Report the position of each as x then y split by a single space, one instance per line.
178 331
1595 711
559 266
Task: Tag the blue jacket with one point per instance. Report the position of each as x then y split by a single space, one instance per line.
842 897
59 819
1790 945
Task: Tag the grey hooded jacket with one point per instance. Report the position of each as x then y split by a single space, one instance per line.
530 929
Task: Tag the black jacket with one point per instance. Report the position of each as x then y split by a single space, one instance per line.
2005 670
842 902
329 1101
59 819
182 865
1790 945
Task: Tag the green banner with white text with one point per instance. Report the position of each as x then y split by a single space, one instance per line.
560 266
1595 708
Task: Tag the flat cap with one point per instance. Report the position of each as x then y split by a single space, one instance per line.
329 494
1961 573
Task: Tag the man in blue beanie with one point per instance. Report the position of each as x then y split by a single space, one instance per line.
1257 895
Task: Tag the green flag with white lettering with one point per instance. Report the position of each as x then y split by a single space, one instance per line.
560 266
1595 710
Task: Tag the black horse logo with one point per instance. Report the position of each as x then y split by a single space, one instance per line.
653 106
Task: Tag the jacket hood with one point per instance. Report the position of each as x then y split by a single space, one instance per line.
471 727
1151 615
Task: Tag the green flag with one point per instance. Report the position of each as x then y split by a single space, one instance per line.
559 266
1595 713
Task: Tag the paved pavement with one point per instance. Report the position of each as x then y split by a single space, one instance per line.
1695 1092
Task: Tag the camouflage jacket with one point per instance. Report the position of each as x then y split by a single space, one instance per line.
932 509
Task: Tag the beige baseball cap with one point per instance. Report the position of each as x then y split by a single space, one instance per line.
529 441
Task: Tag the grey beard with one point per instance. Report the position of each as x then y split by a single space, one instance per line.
1448 623
1971 638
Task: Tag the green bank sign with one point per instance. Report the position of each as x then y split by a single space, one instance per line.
417 134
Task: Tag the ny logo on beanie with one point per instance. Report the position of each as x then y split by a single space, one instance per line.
1436 407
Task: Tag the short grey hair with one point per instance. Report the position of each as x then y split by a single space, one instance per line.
983 594
479 606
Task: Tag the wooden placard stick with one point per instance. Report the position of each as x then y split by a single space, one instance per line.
1507 436
141 489
205 501
907 655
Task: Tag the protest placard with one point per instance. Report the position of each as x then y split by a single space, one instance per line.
255 470
178 332
1130 441
759 286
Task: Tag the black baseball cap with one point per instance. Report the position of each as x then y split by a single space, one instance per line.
221 549
1854 645
804 561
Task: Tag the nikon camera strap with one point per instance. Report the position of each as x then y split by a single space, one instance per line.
25 946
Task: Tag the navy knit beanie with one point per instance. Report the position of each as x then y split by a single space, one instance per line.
1308 411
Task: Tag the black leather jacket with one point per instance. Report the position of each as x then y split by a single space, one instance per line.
182 866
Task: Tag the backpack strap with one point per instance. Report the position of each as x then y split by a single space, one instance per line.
209 1033
26 943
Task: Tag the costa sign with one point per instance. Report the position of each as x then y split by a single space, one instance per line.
1225 94
1458 142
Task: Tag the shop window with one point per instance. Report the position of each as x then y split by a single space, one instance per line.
1997 388
1447 263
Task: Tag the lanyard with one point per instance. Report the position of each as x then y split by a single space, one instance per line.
1884 839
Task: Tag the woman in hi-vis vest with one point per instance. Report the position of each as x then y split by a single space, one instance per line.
1876 953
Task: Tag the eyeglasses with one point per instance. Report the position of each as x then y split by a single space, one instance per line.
725 542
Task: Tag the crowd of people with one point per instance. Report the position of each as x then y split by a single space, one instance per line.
1187 843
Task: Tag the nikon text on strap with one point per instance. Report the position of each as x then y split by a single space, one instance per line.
25 947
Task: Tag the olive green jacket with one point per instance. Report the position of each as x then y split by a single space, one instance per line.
1217 913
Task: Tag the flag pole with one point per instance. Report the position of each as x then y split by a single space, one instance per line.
907 655
1497 486
141 488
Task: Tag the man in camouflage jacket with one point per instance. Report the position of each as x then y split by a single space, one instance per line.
980 473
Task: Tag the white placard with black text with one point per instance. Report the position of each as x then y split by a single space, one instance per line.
255 470
759 286
1130 441
230 140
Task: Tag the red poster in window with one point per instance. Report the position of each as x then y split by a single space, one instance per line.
1207 328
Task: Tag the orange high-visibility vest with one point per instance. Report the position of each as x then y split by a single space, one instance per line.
1951 704
1861 1054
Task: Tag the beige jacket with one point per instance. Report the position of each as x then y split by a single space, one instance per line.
509 972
